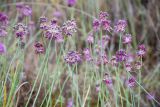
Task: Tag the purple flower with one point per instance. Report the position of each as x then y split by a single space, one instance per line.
3 19
141 50
43 19
3 32
90 39
70 103
87 54
128 67
106 24
131 82
54 32
121 55
2 48
120 26
96 25
107 79
39 48
71 3
127 39
72 57
20 30
57 14
103 16
25 10
69 27
43 23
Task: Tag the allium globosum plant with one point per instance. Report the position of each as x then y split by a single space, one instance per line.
58 60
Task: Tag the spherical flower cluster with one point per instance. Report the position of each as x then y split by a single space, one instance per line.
121 55
106 25
107 79
53 32
2 48
3 32
96 24
87 54
69 27
128 67
141 50
103 15
39 48
72 57
127 39
120 26
3 19
43 23
131 82
20 30
24 10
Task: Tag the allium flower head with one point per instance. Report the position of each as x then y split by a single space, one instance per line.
3 19
43 19
120 26
106 25
3 32
131 82
128 67
90 39
72 57
69 27
54 32
96 25
2 48
141 50
25 10
103 16
107 79
54 21
39 48
71 3
87 54
43 23
127 39
121 55
20 30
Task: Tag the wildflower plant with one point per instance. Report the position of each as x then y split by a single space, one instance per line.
70 61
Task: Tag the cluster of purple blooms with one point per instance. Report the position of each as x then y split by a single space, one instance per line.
4 21
53 31
130 62
23 10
